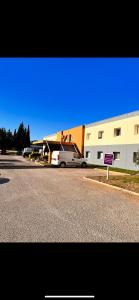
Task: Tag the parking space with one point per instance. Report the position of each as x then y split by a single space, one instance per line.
40 204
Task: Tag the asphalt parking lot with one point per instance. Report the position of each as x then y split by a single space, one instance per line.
40 204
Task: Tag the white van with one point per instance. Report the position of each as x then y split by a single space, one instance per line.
67 158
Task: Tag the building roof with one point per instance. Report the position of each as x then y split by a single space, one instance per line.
124 116
49 136
36 142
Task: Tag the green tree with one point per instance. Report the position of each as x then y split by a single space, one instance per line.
3 140
15 139
28 137
20 137
18 140
9 140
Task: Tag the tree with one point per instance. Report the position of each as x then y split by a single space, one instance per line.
9 139
28 137
18 140
20 137
3 140
15 139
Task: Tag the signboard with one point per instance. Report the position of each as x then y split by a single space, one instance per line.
108 159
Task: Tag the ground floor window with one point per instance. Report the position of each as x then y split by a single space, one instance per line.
87 154
99 155
136 157
116 155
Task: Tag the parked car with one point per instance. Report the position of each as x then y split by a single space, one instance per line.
67 158
29 150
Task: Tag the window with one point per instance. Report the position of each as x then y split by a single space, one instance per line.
116 155
70 138
88 136
55 147
68 147
100 134
87 154
117 131
76 155
100 155
136 157
136 129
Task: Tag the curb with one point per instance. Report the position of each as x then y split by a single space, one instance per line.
112 186
39 164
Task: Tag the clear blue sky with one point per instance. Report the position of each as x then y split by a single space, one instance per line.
52 94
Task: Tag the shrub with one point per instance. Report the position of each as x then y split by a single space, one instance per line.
45 158
35 155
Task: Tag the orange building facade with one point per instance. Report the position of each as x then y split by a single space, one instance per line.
74 135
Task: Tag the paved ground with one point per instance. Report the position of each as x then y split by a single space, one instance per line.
58 205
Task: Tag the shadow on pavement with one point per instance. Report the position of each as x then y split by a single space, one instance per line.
6 166
22 167
4 180
12 160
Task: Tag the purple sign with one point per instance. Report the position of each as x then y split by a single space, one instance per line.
108 159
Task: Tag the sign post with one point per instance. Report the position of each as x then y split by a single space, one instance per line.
107 172
108 160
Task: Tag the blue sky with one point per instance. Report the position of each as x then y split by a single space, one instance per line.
52 94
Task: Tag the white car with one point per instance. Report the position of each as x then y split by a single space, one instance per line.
67 158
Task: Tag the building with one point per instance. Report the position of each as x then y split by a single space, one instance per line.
48 146
118 135
74 135
66 140
51 137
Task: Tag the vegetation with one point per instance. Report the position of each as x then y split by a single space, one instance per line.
126 182
130 172
17 140
34 155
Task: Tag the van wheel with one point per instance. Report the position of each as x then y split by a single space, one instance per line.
62 164
83 165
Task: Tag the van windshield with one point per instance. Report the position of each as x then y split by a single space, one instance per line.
69 148
55 147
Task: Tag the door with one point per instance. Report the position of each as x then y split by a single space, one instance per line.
76 159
